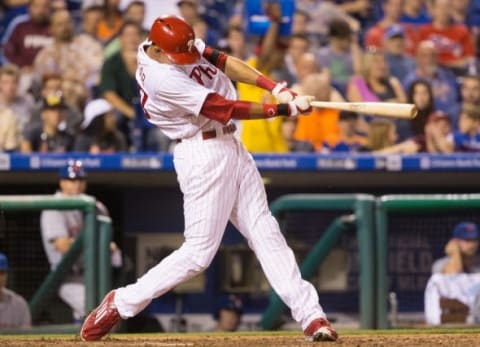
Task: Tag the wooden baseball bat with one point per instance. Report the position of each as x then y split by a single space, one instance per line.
386 109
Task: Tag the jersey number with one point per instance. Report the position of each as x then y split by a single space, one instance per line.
143 100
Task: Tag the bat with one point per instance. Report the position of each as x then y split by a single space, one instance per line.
386 109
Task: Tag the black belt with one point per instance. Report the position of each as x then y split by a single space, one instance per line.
211 134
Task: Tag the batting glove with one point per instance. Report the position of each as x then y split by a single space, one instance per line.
300 105
282 93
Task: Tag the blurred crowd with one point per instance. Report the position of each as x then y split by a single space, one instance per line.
67 73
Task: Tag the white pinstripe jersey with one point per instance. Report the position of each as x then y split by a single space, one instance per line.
172 95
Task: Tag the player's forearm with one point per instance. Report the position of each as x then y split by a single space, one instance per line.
454 265
119 104
240 71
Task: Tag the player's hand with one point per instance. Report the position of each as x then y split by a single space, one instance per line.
300 105
283 94
452 247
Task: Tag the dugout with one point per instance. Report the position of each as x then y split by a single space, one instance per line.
146 208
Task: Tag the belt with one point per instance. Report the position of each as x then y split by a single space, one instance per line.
211 134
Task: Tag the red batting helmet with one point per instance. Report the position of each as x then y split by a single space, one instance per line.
175 38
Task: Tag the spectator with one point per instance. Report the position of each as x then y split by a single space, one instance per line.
322 12
60 229
235 43
467 139
92 13
27 35
300 22
382 134
452 42
111 23
188 10
53 84
9 134
228 313
374 84
399 64
21 105
99 134
135 13
470 89
349 140
73 57
342 56
14 311
459 291
420 94
118 85
437 130
46 137
289 126
264 135
297 46
444 85
414 13
392 10
322 124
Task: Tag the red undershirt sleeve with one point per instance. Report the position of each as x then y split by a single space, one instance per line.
218 108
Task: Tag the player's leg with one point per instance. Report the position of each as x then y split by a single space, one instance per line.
203 171
253 218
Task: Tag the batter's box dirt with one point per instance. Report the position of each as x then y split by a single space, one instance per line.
237 340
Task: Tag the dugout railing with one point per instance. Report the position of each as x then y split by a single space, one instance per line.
435 207
94 241
362 208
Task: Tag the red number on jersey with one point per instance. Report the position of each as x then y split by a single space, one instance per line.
143 100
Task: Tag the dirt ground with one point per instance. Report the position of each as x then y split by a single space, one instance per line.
403 340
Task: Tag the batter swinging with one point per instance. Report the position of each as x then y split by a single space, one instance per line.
186 91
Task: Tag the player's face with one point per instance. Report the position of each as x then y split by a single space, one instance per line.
468 247
73 187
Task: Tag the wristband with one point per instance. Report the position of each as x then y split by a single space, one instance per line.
283 110
265 83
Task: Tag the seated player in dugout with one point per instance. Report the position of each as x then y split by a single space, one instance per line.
461 251
59 230
228 313
14 311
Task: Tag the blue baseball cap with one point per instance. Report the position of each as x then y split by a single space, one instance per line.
466 231
228 302
394 31
3 262
73 171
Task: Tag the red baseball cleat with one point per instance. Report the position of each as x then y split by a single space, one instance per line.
101 320
320 330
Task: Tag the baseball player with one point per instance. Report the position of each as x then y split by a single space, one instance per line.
456 276
186 91
59 230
